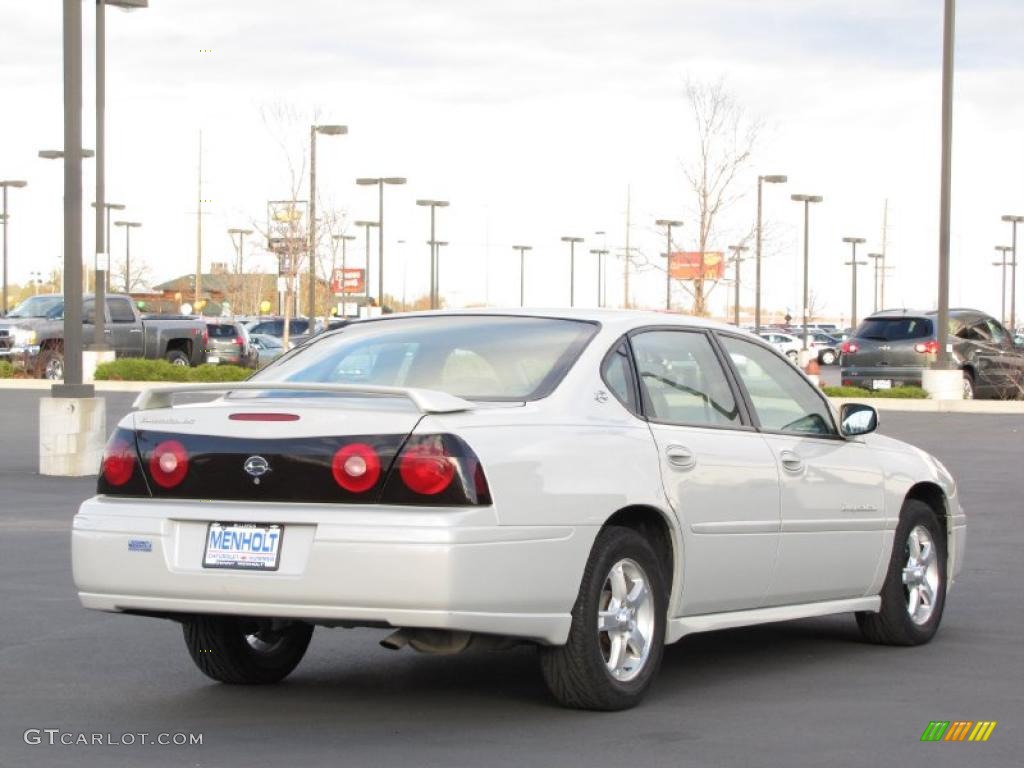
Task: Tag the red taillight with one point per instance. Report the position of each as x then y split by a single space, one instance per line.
426 468
927 347
849 347
240 341
356 467
118 462
168 464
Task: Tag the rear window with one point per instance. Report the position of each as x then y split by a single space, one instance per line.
895 328
222 331
474 357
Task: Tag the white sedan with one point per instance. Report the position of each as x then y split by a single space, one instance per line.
597 483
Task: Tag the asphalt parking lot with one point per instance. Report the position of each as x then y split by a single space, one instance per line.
805 693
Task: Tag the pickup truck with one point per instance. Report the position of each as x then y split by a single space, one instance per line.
32 334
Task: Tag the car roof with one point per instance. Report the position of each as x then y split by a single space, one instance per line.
613 319
896 313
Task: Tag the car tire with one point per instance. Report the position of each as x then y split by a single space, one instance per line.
177 357
794 357
242 651
580 673
903 618
828 357
968 385
51 365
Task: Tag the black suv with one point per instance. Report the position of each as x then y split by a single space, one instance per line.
892 348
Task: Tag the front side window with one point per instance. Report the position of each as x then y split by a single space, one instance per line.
783 400
998 333
682 381
476 357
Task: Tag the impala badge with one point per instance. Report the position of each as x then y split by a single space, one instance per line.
256 467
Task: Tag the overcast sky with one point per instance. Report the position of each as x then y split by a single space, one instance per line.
533 117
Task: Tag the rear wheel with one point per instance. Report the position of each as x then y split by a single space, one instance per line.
914 592
235 649
177 357
828 357
968 385
793 356
617 634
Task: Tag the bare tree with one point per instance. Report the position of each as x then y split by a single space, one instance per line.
140 275
726 137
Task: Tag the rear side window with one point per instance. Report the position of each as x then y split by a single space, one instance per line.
682 381
618 375
120 311
895 328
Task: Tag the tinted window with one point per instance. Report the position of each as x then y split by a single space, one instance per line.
999 334
682 380
221 331
120 311
618 375
895 328
783 400
477 357
269 327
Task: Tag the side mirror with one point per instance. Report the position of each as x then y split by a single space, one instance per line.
857 419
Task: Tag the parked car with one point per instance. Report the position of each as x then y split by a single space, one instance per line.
266 349
274 326
892 348
229 344
788 345
32 334
595 483
826 347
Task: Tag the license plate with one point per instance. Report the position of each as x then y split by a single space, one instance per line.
243 546
881 384
212 359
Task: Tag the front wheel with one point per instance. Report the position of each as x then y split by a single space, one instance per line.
617 634
235 649
968 385
914 592
51 364
793 356
828 357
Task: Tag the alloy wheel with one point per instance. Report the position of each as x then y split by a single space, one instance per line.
625 620
921 575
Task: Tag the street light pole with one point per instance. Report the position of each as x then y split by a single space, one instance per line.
942 361
108 207
853 264
326 130
128 227
1004 249
344 263
600 253
522 271
1014 221
777 178
434 290
380 181
572 267
242 234
737 259
878 258
17 184
435 246
367 225
668 224
806 200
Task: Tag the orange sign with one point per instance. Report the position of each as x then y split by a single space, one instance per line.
349 280
685 265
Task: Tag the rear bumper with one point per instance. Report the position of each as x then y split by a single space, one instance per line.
865 377
440 569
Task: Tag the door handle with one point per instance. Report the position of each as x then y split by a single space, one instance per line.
791 462
680 456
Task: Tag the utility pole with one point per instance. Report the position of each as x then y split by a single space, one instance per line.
1004 249
199 229
885 252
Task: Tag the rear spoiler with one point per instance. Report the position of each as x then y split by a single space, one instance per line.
427 400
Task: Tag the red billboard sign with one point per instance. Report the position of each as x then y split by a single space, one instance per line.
686 265
349 280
